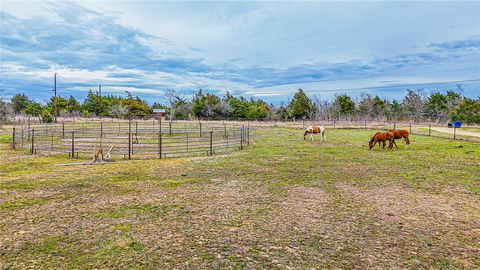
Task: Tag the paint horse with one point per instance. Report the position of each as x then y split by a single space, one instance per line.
401 133
382 138
315 130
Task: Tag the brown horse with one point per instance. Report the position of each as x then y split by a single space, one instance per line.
382 137
401 133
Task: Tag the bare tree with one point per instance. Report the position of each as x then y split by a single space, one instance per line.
173 96
6 110
323 108
118 110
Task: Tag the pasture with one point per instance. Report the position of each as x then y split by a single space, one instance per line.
283 203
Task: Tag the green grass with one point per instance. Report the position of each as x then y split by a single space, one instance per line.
282 202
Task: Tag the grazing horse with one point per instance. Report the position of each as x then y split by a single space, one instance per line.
382 137
401 133
315 130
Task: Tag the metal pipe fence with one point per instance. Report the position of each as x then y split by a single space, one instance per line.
132 139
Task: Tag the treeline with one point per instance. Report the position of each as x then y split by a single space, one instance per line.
417 105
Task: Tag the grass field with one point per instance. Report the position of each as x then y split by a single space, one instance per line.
282 203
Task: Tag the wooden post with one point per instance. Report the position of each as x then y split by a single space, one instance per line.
429 129
170 127
32 150
365 124
63 130
200 129
248 134
129 145
394 125
226 137
410 127
454 132
241 138
187 142
224 129
211 143
129 138
334 124
101 129
73 144
13 139
159 145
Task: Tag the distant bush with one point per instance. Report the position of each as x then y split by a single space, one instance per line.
46 116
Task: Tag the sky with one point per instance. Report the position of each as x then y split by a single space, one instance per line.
264 50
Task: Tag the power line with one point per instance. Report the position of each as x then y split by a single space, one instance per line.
388 86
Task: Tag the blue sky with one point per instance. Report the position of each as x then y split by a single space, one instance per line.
257 49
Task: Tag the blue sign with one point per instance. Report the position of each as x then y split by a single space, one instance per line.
457 124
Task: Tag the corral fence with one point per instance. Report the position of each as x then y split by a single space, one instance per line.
468 133
132 138
147 138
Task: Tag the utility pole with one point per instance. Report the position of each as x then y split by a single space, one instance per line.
55 98
100 94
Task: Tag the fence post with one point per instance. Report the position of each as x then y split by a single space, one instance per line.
187 142
129 145
334 123
365 124
73 144
63 130
394 125
226 137
159 144
33 142
224 129
248 134
429 129
170 127
101 129
241 138
13 139
200 129
454 132
410 127
211 143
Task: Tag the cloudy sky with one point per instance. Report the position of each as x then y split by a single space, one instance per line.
257 49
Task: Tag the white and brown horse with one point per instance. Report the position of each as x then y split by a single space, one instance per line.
315 130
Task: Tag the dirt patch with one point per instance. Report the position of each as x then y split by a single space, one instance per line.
410 222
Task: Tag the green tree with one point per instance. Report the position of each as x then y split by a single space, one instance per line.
301 106
436 106
468 111
20 102
199 104
92 104
73 105
33 109
346 105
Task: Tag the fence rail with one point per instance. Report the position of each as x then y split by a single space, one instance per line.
132 139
